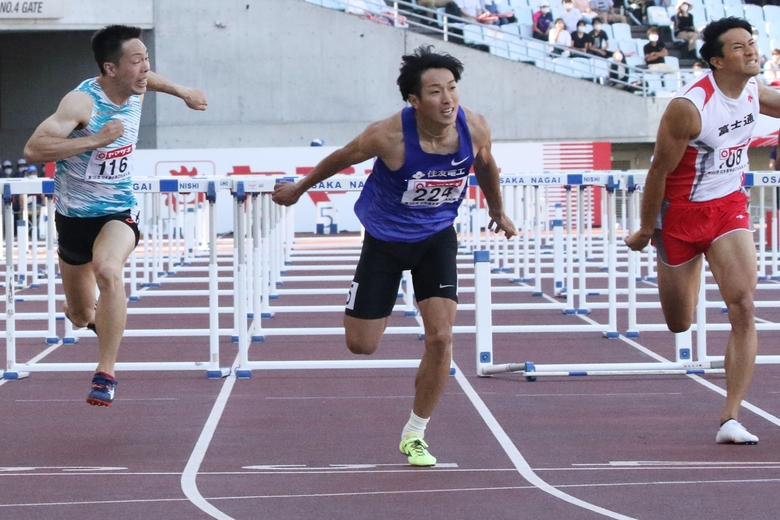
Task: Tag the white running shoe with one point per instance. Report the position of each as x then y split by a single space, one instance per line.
732 432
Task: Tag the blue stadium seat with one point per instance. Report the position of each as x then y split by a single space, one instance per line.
657 15
772 13
621 31
755 15
714 11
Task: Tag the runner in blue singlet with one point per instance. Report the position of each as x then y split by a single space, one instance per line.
92 136
423 156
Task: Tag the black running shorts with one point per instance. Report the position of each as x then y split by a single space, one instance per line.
375 287
77 235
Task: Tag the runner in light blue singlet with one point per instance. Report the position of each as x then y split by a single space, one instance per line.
98 183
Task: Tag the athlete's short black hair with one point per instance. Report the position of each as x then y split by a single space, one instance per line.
107 43
410 79
713 45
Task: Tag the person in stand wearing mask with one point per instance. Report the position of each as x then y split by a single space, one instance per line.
570 16
683 25
543 22
8 169
599 40
580 40
560 36
618 73
655 52
21 168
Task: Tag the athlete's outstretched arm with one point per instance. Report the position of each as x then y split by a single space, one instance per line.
362 148
680 123
769 100
194 98
50 140
487 173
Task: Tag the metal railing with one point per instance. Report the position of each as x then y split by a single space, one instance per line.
510 44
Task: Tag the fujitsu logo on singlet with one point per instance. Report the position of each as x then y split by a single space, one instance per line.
114 154
746 120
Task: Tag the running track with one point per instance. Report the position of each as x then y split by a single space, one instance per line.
314 444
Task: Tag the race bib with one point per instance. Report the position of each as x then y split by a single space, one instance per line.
732 158
433 192
110 165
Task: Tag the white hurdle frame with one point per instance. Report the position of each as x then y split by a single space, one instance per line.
685 361
274 232
15 370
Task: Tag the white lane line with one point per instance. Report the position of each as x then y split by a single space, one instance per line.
403 492
715 388
37 358
516 457
188 478
595 394
316 398
82 400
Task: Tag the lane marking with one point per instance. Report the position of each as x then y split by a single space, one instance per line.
37 358
597 394
404 492
82 400
188 477
749 406
511 450
301 468
303 398
12 469
517 458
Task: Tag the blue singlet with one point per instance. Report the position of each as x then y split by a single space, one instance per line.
422 197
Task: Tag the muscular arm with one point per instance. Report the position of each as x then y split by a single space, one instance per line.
769 99
194 98
375 141
50 140
487 173
680 123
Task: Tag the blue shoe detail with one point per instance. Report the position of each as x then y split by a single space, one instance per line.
103 388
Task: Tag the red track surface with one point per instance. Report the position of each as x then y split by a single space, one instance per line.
314 444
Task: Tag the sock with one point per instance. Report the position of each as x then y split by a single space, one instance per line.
416 425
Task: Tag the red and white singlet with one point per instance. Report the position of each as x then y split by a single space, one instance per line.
714 163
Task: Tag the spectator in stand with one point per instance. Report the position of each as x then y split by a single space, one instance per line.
21 168
474 10
543 22
560 36
772 69
599 40
655 52
683 25
580 40
571 15
504 17
605 9
618 72
8 169
588 14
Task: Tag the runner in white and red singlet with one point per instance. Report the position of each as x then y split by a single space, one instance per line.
694 203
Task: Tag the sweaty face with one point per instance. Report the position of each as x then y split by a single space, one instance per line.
439 96
740 53
133 67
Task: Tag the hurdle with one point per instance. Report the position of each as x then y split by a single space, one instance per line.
159 187
270 232
759 181
685 361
